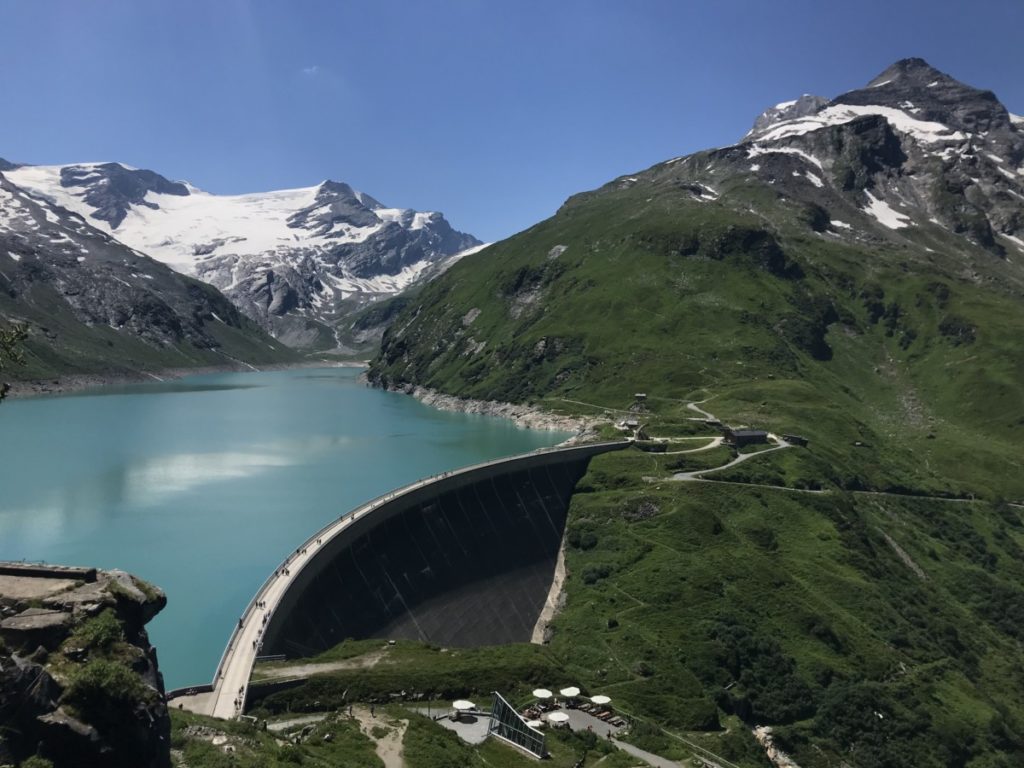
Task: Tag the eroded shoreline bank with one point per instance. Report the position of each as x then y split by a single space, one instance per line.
525 416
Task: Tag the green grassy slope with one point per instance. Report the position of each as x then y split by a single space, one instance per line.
848 341
879 629
797 610
60 344
863 595
337 740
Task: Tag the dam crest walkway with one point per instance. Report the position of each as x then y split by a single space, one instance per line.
226 696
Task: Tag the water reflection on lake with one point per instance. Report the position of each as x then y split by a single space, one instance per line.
202 485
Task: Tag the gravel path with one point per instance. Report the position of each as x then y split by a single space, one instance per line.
389 746
305 670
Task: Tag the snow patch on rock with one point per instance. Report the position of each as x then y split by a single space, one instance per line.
756 150
882 212
923 131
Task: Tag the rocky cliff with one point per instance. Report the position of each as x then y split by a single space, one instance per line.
79 681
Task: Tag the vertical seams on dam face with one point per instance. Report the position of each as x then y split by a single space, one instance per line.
467 561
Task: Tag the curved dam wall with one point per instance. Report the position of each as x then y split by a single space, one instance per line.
465 559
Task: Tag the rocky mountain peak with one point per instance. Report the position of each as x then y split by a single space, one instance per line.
910 69
112 189
912 95
915 87
337 189
6 165
808 104
336 204
329 188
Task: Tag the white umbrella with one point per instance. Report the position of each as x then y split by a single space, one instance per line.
558 717
600 699
462 704
570 692
543 693
535 723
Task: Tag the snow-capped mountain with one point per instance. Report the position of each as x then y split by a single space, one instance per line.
918 151
94 305
296 260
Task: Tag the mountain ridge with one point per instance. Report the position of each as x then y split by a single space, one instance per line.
296 261
832 215
94 306
852 275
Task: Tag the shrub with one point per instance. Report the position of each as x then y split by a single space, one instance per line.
100 632
107 691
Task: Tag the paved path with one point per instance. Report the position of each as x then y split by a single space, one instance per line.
651 759
696 407
715 442
747 485
582 721
696 474
595 405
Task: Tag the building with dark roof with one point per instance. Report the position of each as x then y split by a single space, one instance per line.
741 437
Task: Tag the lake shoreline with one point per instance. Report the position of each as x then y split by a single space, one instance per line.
203 485
78 382
523 416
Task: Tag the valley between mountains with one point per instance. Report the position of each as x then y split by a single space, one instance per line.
850 273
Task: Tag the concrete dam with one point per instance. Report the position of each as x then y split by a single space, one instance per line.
466 559
460 559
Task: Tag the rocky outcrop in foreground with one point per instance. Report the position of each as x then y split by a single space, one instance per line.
79 682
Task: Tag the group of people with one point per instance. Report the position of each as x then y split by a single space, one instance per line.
257 644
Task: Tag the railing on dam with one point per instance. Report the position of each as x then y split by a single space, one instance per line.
297 561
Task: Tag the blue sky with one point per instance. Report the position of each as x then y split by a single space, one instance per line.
493 112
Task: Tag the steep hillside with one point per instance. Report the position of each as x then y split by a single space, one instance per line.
296 261
855 274
94 306
862 629
850 272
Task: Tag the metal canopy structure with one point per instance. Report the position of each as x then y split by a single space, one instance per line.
508 725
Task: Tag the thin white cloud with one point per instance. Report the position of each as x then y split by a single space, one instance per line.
311 71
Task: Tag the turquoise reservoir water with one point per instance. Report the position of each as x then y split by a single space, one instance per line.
204 484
